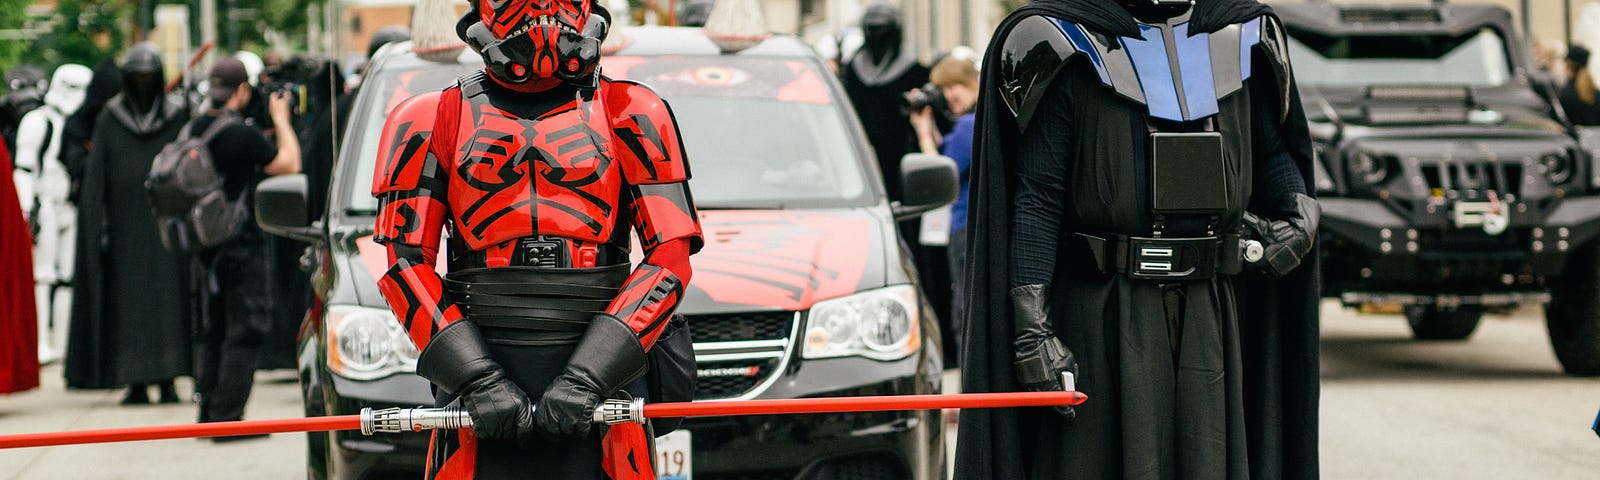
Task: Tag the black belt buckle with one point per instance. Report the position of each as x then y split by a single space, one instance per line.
1171 258
541 251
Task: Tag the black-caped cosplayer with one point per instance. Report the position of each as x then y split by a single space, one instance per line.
1139 217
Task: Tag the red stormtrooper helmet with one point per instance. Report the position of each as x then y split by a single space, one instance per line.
533 44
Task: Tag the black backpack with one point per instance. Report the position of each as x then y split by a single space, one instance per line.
192 211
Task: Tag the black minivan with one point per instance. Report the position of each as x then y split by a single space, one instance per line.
803 289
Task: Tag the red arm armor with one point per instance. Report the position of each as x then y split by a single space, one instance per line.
410 185
661 209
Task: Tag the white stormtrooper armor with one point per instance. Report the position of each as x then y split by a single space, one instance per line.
43 185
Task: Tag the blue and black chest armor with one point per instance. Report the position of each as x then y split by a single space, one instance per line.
1162 122
1161 132
1177 74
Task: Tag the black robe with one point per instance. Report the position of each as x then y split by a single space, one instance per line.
130 307
1275 325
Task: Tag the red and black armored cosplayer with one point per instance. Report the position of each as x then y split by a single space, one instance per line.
536 167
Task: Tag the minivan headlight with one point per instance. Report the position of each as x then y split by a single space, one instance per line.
367 343
878 324
1370 169
1557 167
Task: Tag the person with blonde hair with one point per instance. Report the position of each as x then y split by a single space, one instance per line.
944 127
1578 96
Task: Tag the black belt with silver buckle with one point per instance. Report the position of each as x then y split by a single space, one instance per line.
546 251
1171 259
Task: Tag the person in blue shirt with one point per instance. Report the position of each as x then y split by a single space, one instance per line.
956 81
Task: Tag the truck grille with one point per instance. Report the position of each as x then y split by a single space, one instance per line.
736 354
1472 179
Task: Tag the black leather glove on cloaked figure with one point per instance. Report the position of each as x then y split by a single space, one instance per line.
457 360
1040 357
1286 241
608 357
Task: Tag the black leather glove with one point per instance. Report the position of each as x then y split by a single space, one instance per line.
457 360
608 357
1040 357
1287 240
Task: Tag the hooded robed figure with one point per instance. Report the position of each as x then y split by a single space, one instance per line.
1138 219
105 84
875 79
130 310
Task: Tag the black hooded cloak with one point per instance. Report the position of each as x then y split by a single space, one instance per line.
130 309
876 84
79 130
1277 327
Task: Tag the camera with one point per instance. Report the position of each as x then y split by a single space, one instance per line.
929 95
932 97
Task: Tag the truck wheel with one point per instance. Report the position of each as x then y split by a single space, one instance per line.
1434 323
1573 316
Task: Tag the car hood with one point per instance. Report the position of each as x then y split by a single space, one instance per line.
753 260
1431 110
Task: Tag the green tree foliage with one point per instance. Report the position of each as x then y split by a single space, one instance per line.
83 32
12 17
243 31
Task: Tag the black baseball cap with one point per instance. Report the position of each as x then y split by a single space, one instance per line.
226 76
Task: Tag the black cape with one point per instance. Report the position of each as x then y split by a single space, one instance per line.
130 309
1277 320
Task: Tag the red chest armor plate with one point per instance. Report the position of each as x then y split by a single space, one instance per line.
554 174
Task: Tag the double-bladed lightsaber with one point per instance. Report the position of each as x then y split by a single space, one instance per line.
397 420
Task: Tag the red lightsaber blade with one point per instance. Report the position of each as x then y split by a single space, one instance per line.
396 420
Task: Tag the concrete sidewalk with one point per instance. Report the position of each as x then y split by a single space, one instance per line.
53 408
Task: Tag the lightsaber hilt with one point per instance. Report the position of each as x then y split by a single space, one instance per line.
615 411
397 420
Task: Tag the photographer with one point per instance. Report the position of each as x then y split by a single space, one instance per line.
948 99
240 301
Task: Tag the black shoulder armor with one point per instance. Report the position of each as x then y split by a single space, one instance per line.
1030 56
1274 45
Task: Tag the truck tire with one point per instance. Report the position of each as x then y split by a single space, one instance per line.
1573 316
1433 323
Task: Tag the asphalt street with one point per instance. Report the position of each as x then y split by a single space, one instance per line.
1495 406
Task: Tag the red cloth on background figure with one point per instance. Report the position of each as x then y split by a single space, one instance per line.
19 336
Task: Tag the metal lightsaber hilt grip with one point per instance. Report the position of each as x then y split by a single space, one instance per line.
397 420
615 411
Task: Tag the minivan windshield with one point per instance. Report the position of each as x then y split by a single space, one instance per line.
1475 59
760 133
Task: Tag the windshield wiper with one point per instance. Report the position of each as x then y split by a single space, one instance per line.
741 206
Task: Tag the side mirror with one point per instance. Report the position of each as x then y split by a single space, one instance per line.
281 208
1589 143
927 182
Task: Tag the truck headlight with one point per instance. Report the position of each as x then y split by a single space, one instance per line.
367 343
1370 169
880 324
1557 167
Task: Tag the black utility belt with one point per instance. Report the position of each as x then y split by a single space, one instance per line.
1167 259
532 301
545 251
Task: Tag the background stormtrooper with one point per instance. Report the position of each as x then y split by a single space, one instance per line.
43 186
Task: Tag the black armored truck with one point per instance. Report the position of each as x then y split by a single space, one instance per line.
1451 182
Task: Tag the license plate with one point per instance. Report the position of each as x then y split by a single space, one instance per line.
673 456
1471 214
